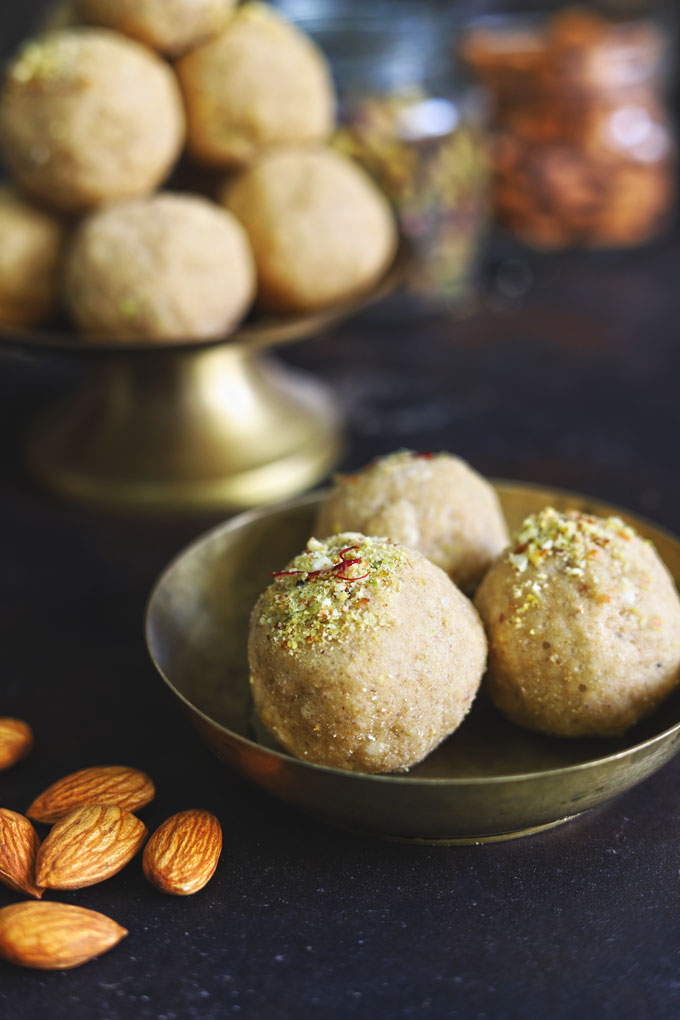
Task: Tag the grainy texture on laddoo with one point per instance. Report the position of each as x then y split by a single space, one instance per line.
435 503
583 622
171 26
31 244
88 116
320 229
260 83
169 266
363 655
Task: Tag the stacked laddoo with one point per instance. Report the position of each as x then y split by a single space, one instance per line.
365 654
95 116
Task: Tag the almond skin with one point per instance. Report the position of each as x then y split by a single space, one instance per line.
88 845
55 936
103 784
182 854
16 740
18 847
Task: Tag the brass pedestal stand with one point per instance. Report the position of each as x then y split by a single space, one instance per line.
191 425
218 427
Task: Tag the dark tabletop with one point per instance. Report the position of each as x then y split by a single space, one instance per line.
572 384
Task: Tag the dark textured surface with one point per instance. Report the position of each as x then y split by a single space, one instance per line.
573 385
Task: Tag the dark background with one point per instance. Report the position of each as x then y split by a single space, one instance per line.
572 384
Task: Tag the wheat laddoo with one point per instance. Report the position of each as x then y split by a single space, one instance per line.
583 623
259 83
31 243
88 116
168 266
170 26
363 655
435 503
320 229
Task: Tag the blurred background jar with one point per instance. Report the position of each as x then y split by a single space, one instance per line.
582 143
410 119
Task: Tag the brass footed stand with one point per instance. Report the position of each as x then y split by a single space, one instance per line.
214 427
191 425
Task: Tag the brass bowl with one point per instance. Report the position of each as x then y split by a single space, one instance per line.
216 424
490 780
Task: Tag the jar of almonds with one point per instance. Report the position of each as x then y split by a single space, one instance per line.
582 143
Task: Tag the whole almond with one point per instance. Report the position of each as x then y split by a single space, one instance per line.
55 936
16 740
18 847
182 854
88 845
102 784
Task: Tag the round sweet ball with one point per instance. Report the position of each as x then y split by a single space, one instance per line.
166 267
583 622
171 26
363 655
260 83
31 243
435 503
88 116
320 229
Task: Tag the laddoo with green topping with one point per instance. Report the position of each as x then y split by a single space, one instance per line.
363 654
88 116
170 266
435 503
583 623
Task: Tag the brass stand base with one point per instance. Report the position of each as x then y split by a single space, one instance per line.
218 428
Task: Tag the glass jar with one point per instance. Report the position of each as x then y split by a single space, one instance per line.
582 149
410 120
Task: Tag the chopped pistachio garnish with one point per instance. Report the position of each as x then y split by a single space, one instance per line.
39 59
572 540
329 590
573 537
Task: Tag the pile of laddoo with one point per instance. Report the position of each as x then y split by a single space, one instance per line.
369 647
169 167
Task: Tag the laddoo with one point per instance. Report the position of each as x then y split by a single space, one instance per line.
363 655
170 26
170 266
583 623
88 116
31 243
259 83
433 502
320 229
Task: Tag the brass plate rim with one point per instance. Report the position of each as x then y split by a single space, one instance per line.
400 779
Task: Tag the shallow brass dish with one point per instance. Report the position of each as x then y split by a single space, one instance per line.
489 780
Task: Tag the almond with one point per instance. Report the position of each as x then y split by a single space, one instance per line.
88 845
18 846
102 784
182 854
16 740
55 936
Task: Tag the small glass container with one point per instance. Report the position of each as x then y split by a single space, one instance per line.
407 116
583 150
